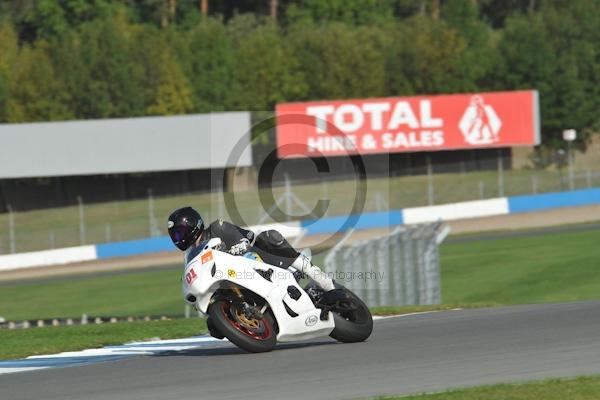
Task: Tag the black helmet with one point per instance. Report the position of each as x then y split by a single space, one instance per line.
185 227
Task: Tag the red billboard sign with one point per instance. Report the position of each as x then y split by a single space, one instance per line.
408 124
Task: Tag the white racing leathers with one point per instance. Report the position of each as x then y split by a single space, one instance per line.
303 264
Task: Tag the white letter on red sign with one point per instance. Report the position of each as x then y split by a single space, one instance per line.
356 121
320 113
376 110
403 114
426 120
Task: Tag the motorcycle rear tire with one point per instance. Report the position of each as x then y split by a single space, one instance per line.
348 331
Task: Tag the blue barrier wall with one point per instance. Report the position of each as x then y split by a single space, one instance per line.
537 202
134 247
516 204
346 222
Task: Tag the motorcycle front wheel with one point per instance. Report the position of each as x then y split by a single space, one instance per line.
250 334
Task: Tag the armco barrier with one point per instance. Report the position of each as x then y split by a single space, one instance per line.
545 201
362 221
163 243
416 215
453 211
47 257
112 250
134 247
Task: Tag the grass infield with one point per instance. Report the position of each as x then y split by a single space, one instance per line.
20 343
583 388
50 340
557 267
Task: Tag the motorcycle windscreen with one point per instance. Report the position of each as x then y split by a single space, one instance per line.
194 250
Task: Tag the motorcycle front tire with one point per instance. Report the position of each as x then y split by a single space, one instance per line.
222 319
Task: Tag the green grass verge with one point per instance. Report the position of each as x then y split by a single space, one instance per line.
20 343
555 267
583 388
558 267
133 293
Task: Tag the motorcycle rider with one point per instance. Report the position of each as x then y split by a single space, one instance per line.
187 230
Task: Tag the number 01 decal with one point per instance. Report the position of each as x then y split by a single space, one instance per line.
191 276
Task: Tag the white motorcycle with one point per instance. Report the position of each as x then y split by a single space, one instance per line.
255 305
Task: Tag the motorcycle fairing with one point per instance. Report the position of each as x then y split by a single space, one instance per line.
222 267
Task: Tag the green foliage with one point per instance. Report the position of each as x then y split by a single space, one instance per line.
35 97
352 12
342 62
96 64
9 49
107 58
266 71
44 18
208 59
431 55
479 56
546 51
167 88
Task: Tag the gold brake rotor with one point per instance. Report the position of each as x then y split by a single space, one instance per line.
251 323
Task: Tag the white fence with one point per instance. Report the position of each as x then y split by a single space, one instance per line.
402 268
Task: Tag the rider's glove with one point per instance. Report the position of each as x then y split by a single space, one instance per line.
240 248
220 247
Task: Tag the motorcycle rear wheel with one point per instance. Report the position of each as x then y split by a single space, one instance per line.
355 326
252 335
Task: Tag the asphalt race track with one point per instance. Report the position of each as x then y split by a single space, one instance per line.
415 353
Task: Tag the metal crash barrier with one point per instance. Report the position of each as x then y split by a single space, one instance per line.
399 269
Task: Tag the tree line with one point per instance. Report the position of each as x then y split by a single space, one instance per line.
85 59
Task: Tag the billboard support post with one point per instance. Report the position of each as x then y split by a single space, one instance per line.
570 155
429 182
108 233
221 208
81 221
11 229
500 174
288 198
152 224
569 135
325 197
